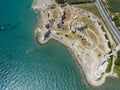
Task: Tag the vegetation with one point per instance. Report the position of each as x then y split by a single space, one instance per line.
58 33
66 35
109 64
117 64
117 61
117 70
106 7
91 7
60 1
114 11
116 19
114 5
74 1
73 32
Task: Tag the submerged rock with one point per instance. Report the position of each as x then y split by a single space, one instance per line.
2 28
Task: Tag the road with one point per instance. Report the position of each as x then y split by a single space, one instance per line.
108 21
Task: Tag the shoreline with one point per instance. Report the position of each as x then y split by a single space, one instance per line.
83 72
80 64
84 75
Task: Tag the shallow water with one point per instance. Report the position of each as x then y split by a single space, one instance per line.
48 67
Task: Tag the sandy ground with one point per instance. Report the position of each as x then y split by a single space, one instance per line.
41 4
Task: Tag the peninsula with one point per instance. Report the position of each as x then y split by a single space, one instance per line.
83 33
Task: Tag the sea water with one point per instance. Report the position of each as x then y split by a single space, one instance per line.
25 65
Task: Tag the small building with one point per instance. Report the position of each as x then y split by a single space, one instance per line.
81 27
77 31
52 6
48 15
61 26
47 34
51 22
73 29
63 17
69 26
62 5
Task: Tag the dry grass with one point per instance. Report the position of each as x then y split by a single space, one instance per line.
91 7
101 46
55 14
89 23
92 36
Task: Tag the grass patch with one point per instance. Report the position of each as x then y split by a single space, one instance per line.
89 7
117 70
109 64
117 64
114 5
113 9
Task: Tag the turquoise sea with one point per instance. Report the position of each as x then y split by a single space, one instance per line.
48 67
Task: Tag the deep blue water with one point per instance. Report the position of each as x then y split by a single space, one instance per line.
48 67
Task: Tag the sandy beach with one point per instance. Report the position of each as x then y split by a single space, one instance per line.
93 75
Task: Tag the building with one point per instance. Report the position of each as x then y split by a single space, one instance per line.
50 23
47 34
61 26
62 5
81 26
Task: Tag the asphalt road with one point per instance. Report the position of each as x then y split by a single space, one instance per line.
108 21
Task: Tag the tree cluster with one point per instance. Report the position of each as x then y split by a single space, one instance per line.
117 61
116 19
74 1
